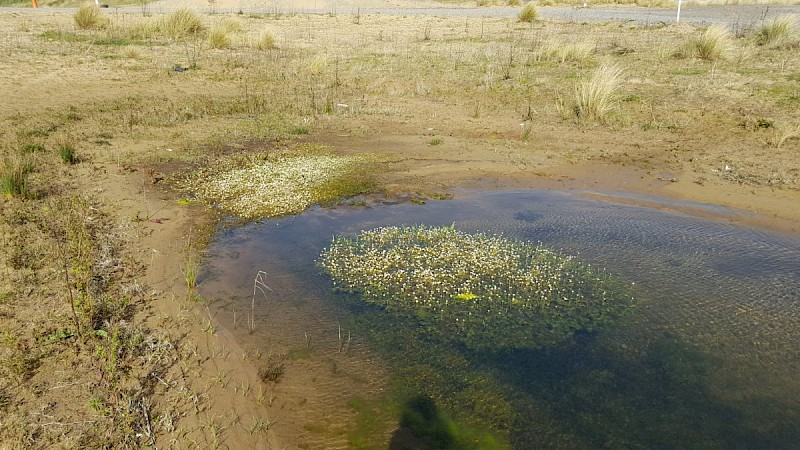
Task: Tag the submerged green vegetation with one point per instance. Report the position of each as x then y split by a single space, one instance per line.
276 183
485 291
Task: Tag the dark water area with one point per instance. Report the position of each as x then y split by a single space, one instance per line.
708 359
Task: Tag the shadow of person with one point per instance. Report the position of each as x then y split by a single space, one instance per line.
422 427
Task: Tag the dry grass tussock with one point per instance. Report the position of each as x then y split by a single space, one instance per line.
264 41
562 51
777 32
89 17
181 23
713 44
219 38
595 96
528 14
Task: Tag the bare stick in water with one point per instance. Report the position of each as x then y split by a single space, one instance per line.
259 284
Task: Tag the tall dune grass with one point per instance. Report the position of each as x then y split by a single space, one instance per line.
595 96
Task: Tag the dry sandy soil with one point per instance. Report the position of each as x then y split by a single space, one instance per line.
485 103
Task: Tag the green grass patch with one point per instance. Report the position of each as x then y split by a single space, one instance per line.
62 36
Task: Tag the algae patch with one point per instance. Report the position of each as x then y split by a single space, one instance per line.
276 183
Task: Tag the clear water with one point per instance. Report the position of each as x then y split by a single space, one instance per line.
709 359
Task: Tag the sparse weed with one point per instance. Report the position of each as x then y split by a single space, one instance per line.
513 3
272 371
89 17
32 148
782 134
259 425
191 266
98 406
595 96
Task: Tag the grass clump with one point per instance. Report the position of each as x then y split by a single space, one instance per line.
14 172
67 154
528 14
89 17
776 32
485 291
713 44
282 182
595 96
265 41
182 23
218 38
563 51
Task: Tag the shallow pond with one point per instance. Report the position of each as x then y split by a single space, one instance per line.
708 359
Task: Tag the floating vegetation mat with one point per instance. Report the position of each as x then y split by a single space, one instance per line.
485 291
276 183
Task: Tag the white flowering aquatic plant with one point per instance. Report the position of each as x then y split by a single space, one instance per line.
280 182
486 291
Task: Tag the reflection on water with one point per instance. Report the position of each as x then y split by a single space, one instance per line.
708 360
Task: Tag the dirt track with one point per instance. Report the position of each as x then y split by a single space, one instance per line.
736 16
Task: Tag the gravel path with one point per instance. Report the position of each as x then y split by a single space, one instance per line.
735 16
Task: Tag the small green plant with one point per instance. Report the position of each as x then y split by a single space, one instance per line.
528 14
595 96
67 153
435 141
89 17
4 400
32 148
191 267
776 32
98 406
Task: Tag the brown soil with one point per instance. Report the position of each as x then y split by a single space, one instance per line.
699 145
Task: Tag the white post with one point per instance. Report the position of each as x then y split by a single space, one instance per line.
678 19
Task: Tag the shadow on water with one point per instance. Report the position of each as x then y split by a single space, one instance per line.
583 394
662 398
424 426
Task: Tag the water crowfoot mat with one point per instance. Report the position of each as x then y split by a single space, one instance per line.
281 182
486 291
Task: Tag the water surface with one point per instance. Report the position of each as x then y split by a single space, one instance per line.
708 359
